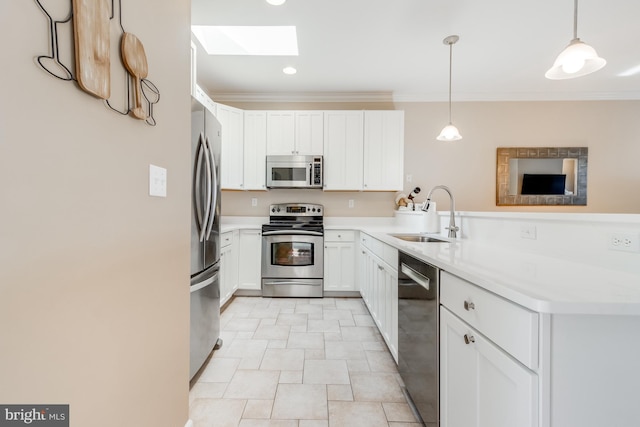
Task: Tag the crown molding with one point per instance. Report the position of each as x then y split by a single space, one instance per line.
424 97
306 97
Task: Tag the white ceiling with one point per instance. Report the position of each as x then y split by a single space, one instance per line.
375 49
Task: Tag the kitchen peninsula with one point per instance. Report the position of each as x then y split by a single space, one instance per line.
550 334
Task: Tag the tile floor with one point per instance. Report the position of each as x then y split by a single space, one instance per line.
299 363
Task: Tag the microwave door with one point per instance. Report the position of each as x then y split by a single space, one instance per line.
288 175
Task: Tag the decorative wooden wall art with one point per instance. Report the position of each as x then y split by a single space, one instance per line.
94 22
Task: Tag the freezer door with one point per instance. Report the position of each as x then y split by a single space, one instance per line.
205 317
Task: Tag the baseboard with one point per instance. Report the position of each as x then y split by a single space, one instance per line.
189 424
342 294
248 293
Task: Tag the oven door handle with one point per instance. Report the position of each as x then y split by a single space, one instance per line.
290 232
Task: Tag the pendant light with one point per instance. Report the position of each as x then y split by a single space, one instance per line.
577 59
450 132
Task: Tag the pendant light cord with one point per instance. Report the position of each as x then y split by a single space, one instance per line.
575 19
450 62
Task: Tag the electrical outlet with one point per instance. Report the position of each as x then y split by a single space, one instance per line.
528 232
254 201
350 203
627 242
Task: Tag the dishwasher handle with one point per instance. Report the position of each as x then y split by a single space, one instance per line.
420 279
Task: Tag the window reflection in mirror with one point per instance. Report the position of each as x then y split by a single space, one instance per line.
541 176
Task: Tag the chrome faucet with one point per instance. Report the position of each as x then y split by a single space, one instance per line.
452 221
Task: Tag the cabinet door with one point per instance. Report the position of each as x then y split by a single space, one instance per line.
390 326
232 168
280 132
383 150
255 150
226 274
309 130
480 385
343 145
339 271
250 247
367 267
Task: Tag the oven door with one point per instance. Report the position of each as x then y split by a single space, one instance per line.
292 254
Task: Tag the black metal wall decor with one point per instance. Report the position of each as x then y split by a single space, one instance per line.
98 54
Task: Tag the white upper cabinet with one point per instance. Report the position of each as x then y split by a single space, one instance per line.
280 132
309 132
255 150
294 132
383 150
232 121
343 150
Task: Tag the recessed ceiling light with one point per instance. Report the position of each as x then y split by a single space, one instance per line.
248 40
289 70
276 2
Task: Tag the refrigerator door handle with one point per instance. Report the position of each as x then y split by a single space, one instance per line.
214 180
204 284
207 213
197 192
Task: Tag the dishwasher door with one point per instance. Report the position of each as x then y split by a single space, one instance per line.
418 326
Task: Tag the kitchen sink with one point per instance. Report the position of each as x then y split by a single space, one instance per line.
421 238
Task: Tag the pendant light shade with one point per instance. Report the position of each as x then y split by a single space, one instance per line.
450 132
577 59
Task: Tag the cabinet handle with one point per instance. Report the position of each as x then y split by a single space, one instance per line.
469 306
380 267
468 339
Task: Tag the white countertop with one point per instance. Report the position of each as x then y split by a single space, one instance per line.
541 283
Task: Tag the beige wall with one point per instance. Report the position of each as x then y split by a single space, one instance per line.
611 130
94 273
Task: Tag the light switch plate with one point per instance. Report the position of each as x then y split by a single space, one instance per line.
157 181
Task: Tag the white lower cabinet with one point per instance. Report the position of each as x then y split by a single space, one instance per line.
228 266
250 246
488 358
480 384
339 260
379 287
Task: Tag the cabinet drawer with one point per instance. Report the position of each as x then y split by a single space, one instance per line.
226 239
390 256
511 326
339 235
374 245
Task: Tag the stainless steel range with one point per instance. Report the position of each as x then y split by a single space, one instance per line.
292 251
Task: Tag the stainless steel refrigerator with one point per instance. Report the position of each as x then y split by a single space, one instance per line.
205 235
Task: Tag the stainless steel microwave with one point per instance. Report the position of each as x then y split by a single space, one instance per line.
294 171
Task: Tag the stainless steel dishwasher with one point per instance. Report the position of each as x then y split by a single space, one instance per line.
418 325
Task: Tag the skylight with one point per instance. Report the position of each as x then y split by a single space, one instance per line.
248 40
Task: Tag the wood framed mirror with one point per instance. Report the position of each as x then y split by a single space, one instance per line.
541 176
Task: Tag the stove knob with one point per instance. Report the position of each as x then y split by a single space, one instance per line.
278 209
314 209
318 210
273 209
